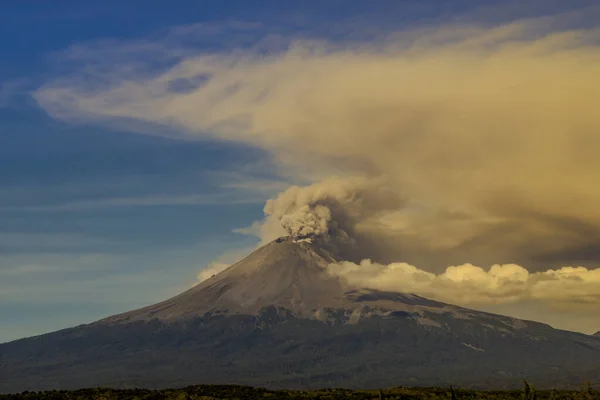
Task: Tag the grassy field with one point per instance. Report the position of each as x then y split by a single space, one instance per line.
208 392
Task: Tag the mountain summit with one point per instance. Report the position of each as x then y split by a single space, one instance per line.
285 273
277 318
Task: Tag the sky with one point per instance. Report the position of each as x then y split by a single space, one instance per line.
452 144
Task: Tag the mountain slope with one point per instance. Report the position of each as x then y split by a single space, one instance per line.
283 272
278 319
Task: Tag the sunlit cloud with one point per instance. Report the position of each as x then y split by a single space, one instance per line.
473 285
567 297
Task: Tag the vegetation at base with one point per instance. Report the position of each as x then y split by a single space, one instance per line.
234 392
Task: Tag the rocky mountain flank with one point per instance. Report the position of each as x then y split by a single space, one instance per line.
278 319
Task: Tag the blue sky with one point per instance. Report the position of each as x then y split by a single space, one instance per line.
98 218
93 220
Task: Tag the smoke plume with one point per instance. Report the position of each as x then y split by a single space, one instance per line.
463 143
488 133
334 211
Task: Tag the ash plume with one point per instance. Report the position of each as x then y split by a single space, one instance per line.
333 211
489 132
469 143
307 222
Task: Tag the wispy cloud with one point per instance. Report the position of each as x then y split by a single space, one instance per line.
33 269
50 240
139 201
249 184
264 187
566 297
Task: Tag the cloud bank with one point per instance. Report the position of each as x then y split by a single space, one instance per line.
569 287
566 297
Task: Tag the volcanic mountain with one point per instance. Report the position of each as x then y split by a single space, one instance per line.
278 319
287 276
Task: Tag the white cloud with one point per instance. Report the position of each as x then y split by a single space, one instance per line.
568 286
471 285
566 297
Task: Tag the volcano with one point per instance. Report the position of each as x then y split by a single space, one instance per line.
278 319
285 275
